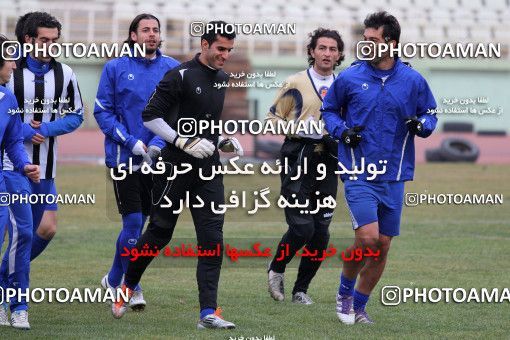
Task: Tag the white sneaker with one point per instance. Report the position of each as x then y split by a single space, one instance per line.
137 302
19 319
215 320
344 310
4 316
275 285
107 286
302 298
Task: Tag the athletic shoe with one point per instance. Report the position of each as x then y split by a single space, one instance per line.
362 317
107 286
215 320
137 302
302 298
344 309
119 308
4 316
275 284
19 319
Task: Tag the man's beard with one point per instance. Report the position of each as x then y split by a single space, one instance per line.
376 61
150 50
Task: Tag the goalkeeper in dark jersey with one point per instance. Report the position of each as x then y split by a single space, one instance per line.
189 91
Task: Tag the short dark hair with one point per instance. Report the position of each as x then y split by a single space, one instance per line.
20 25
39 19
391 27
214 29
133 27
3 39
324 33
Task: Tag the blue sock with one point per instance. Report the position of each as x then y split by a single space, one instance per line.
360 300
144 218
116 271
131 230
206 311
346 286
38 245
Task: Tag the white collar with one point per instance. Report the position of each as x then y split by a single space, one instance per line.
319 76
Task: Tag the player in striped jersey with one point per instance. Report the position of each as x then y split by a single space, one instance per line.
48 94
300 100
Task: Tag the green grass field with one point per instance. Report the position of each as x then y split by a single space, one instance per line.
439 246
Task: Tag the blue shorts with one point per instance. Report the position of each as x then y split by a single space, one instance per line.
46 186
380 202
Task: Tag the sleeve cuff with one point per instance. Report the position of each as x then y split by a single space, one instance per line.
44 130
130 143
28 132
339 131
21 167
156 141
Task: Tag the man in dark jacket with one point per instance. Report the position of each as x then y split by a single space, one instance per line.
190 92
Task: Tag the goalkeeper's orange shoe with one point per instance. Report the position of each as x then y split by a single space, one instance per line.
119 307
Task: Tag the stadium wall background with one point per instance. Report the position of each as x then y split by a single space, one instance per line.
432 21
447 79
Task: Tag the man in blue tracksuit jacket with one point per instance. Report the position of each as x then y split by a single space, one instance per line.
17 215
375 108
124 89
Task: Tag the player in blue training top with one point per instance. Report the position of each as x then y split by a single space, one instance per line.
375 108
124 89
18 216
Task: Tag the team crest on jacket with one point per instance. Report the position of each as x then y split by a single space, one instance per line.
364 86
323 90
198 90
131 76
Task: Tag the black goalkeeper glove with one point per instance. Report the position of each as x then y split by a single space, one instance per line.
352 137
414 125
